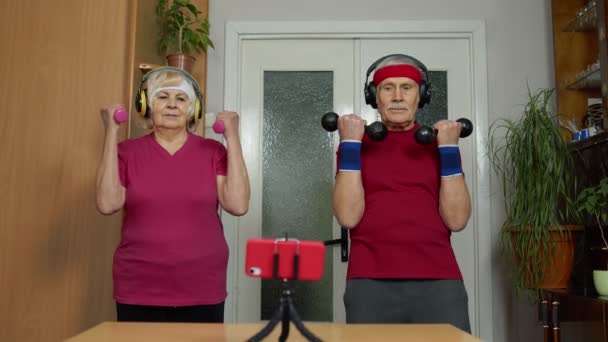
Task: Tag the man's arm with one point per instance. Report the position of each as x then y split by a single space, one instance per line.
348 201
454 202
454 199
348 197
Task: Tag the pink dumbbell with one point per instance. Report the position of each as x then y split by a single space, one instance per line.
218 127
120 115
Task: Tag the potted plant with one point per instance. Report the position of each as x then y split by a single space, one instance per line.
183 31
535 166
592 204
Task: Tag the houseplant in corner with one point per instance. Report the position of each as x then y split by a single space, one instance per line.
592 204
183 31
535 167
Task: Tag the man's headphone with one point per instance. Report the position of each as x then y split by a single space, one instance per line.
141 98
369 89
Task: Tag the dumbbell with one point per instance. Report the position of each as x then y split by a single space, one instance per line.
426 134
376 131
218 127
120 115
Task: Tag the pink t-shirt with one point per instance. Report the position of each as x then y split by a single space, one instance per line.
401 234
172 250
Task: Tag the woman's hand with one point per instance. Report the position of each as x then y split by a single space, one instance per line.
107 117
231 123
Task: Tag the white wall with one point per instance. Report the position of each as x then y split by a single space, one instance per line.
520 50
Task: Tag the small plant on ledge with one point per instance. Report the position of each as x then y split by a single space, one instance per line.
592 203
183 31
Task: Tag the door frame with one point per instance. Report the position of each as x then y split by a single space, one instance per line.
474 32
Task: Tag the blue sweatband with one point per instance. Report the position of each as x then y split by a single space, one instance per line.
449 159
350 156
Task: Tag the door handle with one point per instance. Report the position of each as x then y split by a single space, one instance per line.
342 241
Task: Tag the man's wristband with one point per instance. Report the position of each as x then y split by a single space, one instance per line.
350 156
449 160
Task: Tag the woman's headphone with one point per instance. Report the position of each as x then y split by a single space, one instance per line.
141 98
369 89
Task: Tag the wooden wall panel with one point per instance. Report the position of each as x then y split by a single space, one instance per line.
60 61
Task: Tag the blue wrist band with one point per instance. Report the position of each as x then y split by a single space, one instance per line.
449 159
350 156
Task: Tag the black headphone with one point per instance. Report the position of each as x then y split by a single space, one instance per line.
141 98
369 89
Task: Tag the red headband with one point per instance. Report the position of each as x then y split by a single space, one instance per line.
397 70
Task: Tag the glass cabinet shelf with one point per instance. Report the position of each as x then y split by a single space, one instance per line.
588 79
585 20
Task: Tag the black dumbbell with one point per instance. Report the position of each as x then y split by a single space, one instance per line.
376 131
426 134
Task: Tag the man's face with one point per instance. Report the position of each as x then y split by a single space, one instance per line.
398 99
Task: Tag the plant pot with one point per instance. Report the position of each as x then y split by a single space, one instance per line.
184 62
600 281
558 266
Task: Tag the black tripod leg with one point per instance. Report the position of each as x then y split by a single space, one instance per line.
297 321
278 315
285 321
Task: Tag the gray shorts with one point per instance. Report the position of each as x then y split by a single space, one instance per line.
407 301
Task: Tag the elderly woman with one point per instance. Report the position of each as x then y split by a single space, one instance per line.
171 263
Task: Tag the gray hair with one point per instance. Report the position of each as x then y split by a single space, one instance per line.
400 59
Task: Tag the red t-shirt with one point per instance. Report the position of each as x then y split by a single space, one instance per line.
172 250
401 234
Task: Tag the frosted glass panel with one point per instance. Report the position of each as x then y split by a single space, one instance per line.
438 108
298 178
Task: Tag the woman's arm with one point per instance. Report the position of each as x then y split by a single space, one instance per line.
233 189
110 194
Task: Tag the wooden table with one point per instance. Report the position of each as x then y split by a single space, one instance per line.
182 332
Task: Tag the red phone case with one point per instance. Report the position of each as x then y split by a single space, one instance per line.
260 253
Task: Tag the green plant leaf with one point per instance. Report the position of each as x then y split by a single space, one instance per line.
181 28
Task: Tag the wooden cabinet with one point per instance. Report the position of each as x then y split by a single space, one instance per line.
584 307
581 77
581 60
579 313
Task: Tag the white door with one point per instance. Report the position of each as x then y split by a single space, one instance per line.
285 87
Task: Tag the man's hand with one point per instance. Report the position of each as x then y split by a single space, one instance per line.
448 132
351 127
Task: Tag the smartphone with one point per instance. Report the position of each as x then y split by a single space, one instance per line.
260 258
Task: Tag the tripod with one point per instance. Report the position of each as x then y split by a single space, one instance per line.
286 312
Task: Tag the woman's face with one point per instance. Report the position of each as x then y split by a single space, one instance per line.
170 109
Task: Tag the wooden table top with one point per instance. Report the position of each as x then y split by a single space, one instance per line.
178 332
